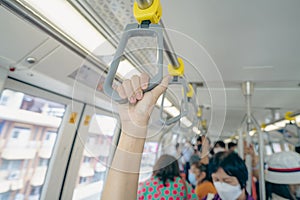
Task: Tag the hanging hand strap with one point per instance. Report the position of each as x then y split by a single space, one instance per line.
184 102
135 30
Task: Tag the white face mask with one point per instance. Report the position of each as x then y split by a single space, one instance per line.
218 149
228 192
192 179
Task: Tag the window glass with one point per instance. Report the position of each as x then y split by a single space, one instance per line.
276 147
148 160
94 161
268 150
28 132
286 147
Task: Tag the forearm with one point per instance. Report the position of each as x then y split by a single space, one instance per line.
204 160
205 152
122 179
124 172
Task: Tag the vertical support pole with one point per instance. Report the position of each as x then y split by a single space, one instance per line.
262 187
3 77
241 144
241 139
298 131
247 88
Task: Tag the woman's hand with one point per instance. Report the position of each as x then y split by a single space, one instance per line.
136 113
123 175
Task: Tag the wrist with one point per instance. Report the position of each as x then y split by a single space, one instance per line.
135 129
131 143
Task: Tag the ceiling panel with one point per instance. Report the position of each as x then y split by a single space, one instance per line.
223 43
17 38
240 34
59 64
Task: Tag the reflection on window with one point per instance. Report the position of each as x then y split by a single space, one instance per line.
97 149
28 134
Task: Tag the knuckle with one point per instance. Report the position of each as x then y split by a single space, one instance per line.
144 75
135 77
126 82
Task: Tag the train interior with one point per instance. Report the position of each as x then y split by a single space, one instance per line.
58 128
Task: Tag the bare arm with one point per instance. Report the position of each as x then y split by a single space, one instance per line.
205 151
122 180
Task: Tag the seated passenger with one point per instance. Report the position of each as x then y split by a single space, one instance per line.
166 182
204 186
229 174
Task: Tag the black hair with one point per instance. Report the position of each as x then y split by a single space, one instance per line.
297 149
231 144
203 168
220 143
166 168
279 189
232 164
199 139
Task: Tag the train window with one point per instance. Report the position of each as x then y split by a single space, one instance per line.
28 134
276 147
95 158
148 160
286 146
268 150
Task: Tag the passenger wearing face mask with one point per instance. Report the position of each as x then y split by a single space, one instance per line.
219 147
232 147
229 175
192 176
204 186
194 159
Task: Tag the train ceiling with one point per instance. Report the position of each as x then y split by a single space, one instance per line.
247 40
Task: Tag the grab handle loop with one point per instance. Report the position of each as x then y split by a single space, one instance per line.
195 121
176 80
135 30
193 105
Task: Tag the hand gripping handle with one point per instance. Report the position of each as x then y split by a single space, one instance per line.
134 30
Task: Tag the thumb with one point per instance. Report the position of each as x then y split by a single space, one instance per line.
161 88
